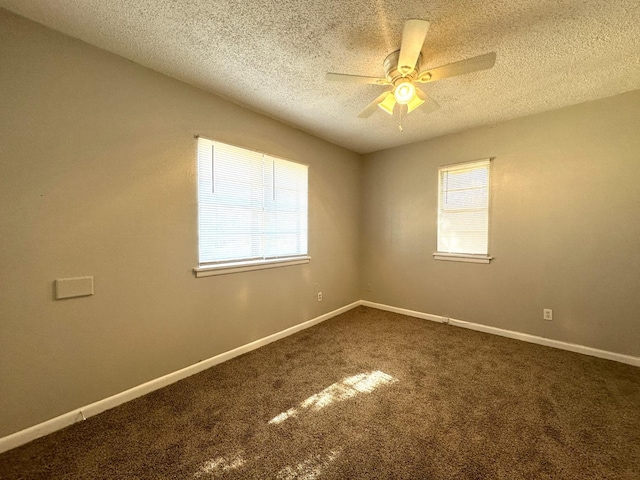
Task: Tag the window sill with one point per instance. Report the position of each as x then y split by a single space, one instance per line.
237 267
462 257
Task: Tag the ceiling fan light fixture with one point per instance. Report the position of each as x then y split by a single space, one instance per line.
404 92
388 103
403 72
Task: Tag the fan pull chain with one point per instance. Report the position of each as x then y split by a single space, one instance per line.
400 126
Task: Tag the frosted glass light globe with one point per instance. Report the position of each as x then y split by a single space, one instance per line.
404 91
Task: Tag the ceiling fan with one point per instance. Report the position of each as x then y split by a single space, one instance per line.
402 72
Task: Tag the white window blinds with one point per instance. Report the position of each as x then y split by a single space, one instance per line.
463 208
251 206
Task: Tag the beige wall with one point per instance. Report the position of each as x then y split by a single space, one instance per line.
97 159
565 226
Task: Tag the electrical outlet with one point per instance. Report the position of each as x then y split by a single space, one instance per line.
319 296
547 314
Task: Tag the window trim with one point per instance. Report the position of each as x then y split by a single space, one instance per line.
462 257
245 265
466 257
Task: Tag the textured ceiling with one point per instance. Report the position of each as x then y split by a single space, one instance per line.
272 55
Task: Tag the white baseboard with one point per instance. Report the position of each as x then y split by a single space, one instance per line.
572 347
66 419
24 436
404 311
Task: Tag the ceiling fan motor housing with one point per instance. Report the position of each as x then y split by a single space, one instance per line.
391 71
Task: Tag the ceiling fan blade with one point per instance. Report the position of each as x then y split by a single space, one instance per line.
373 105
430 105
343 77
413 35
481 62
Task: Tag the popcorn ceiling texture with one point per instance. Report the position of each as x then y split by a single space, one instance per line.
271 56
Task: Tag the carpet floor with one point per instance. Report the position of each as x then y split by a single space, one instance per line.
367 394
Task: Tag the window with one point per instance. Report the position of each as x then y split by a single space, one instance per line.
252 209
463 212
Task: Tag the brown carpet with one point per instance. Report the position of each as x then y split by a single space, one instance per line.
368 394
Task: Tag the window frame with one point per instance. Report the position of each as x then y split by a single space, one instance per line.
205 269
456 256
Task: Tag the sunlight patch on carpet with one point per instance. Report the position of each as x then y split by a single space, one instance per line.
338 392
220 465
309 469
